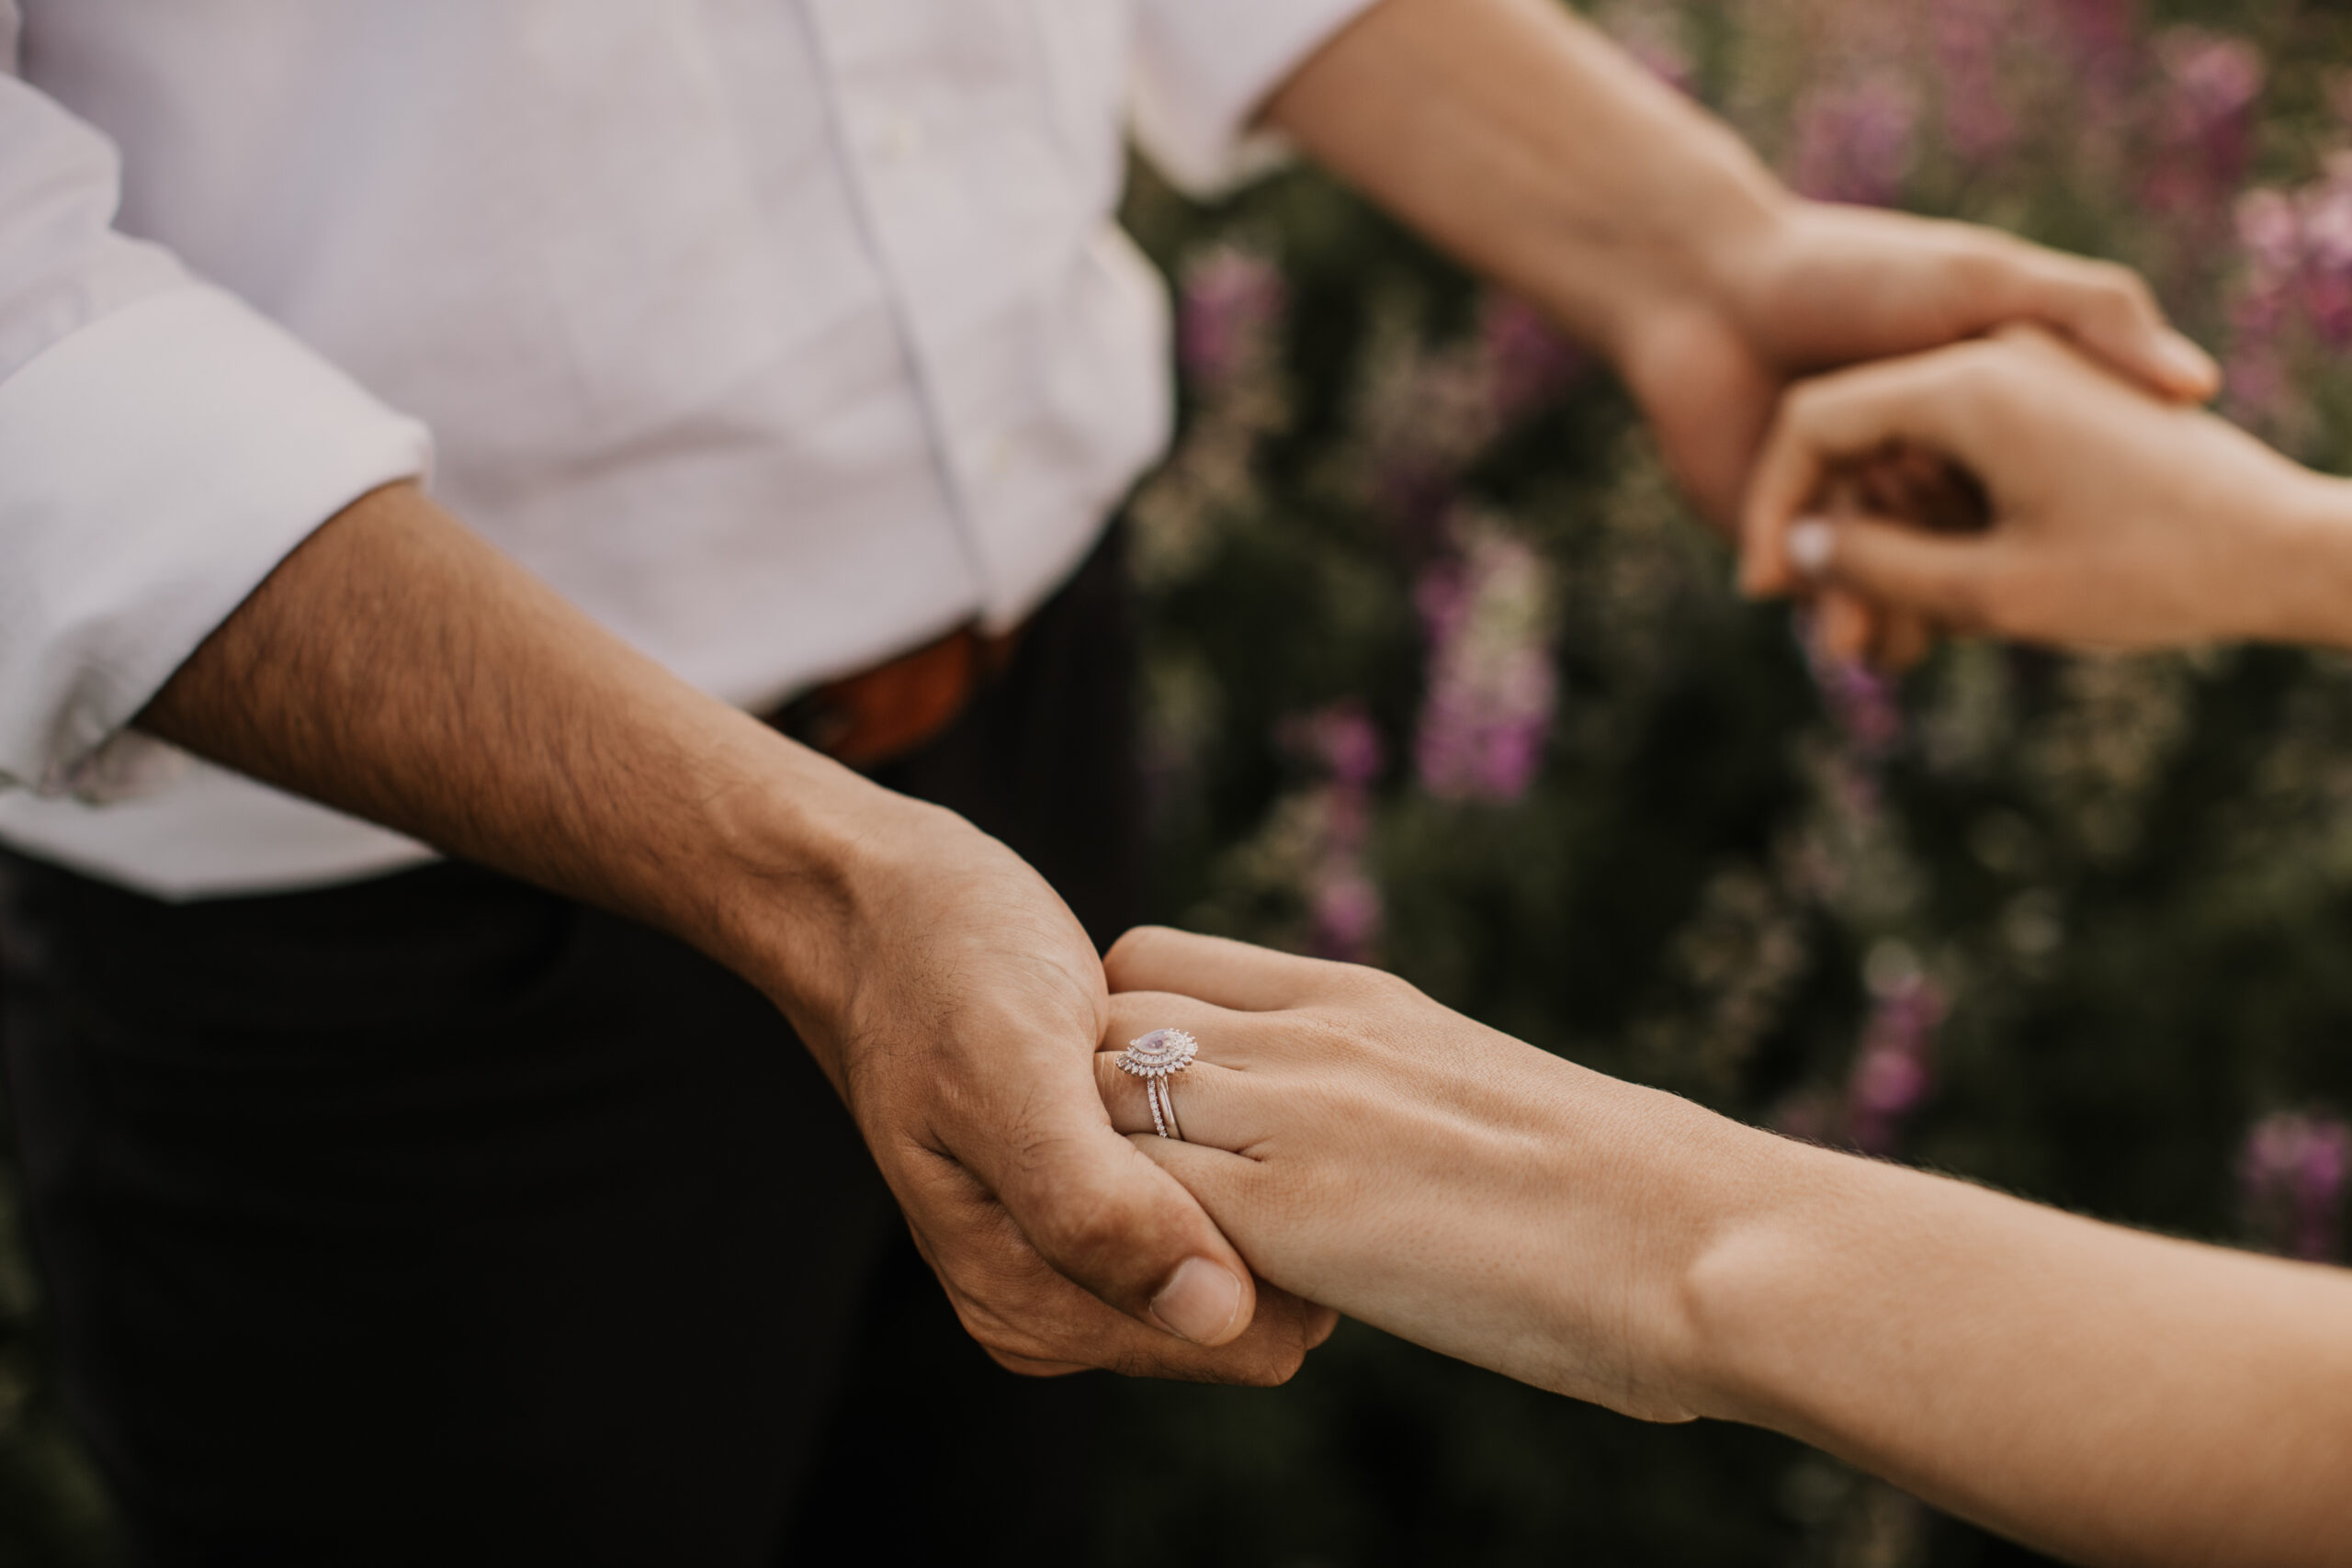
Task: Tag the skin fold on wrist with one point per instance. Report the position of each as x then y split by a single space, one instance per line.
1658 1193
786 837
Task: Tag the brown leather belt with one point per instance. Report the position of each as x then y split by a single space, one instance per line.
883 714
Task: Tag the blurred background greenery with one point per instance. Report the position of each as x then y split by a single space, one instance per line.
1442 676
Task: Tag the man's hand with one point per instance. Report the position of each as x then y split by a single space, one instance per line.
396 667
2117 519
957 1003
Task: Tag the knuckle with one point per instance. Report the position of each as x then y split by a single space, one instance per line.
1360 982
992 1330
2121 283
1132 946
2116 297
1804 405
1980 373
1276 1368
1981 265
1028 1366
1334 1038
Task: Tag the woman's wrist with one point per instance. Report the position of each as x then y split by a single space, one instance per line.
1649 1192
2293 571
1749 1279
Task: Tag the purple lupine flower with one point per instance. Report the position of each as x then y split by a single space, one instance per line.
1343 902
2325 214
1854 140
1347 915
1427 418
1344 740
2203 124
2291 1177
1863 702
1344 907
1528 359
1978 121
1487 610
2295 283
2272 299
1652 35
2102 36
2270 232
1894 1071
1231 299
2098 43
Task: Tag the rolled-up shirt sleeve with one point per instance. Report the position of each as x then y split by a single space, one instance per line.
162 446
1204 67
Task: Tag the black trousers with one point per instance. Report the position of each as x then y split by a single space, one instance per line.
438 1219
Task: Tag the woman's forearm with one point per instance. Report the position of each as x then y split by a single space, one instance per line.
2300 570
2111 1395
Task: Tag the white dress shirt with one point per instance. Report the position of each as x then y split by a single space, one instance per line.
780 335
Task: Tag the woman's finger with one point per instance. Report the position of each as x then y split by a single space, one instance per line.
1220 1099
1216 1107
1946 579
1935 400
1229 973
1225 1035
1844 628
1905 638
1211 1106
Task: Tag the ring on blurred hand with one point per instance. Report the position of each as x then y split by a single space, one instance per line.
1155 1057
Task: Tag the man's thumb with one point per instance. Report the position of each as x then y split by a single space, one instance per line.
1110 1220
1941 576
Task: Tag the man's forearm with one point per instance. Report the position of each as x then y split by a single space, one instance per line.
1513 134
399 667
2113 1396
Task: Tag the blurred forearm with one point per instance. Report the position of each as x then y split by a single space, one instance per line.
1516 136
2304 589
2112 1396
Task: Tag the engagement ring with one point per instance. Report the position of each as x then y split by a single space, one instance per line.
1155 1057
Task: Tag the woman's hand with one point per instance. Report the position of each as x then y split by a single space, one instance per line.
1373 1151
2109 1396
2117 519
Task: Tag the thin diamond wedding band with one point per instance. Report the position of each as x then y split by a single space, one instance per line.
1155 1057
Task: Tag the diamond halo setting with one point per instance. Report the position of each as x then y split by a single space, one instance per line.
1159 1054
1155 1057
